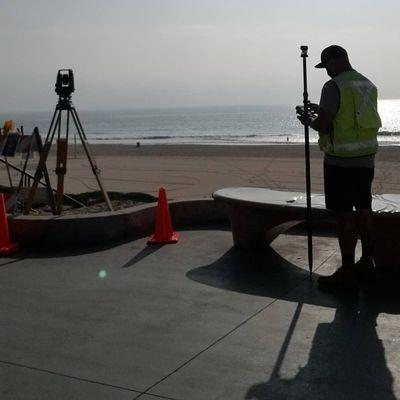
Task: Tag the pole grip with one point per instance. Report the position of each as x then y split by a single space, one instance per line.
304 55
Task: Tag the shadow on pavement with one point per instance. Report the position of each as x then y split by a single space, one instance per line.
146 251
60 250
8 262
346 361
267 274
263 273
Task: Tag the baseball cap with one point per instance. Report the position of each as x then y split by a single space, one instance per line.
330 53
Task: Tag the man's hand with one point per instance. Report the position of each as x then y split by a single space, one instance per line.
306 119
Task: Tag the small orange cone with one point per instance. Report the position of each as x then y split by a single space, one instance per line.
6 247
164 232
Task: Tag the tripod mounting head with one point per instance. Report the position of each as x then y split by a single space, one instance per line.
65 83
304 50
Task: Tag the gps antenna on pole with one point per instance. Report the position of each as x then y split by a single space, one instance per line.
304 55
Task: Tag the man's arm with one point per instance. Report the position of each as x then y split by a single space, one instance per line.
328 107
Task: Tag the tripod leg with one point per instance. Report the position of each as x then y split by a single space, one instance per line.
8 173
92 162
23 176
50 194
61 169
44 153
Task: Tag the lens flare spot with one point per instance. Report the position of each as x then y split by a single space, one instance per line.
102 274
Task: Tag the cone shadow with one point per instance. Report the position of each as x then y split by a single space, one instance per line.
146 251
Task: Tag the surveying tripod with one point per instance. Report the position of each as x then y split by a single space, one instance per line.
64 104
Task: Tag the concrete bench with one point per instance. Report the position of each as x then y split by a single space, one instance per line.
259 215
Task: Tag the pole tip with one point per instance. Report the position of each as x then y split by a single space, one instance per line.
304 50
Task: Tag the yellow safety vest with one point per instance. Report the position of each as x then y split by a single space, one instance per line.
356 123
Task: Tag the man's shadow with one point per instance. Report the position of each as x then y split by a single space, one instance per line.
346 362
347 359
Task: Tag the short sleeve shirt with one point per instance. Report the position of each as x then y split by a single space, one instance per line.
330 98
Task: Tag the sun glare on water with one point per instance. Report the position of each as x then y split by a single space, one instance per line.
389 110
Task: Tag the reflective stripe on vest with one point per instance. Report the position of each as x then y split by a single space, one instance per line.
368 87
370 144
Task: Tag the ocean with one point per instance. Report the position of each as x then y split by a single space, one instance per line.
228 125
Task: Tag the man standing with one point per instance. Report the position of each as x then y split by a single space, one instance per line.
347 124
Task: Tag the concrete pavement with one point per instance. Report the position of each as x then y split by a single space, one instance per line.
196 321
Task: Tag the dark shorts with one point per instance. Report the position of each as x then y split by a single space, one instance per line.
347 187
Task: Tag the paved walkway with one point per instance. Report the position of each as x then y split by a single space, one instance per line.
194 321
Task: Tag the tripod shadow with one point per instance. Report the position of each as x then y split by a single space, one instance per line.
346 361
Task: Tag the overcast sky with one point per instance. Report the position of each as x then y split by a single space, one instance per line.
167 53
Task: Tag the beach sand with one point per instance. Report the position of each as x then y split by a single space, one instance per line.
196 171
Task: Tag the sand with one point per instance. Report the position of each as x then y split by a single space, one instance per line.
194 171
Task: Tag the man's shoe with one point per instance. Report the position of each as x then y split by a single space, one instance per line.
342 278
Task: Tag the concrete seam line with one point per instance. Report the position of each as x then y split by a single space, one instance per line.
158 396
14 364
222 337
325 261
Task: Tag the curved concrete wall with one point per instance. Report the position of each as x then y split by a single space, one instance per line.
109 226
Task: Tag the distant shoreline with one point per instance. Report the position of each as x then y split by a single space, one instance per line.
219 150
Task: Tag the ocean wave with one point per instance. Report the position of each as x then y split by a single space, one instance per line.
384 137
174 137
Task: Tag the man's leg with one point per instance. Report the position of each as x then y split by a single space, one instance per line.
339 198
365 267
365 221
365 228
347 235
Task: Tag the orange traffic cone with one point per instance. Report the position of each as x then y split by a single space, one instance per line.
164 232
6 247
